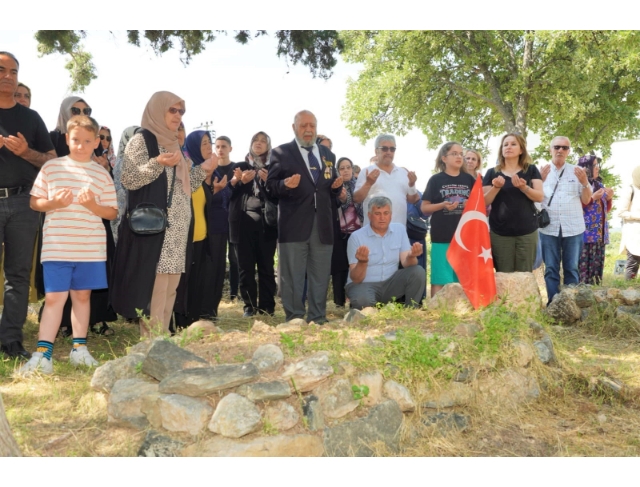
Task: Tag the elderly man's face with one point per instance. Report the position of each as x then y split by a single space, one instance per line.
379 218
385 152
305 129
560 150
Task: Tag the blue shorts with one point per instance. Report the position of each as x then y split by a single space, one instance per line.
61 276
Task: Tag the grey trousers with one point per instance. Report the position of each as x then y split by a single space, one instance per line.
409 282
296 257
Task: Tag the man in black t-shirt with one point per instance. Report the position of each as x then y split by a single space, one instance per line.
25 146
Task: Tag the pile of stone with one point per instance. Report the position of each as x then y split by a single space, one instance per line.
576 303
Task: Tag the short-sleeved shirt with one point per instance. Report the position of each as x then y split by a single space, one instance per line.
566 207
384 251
443 187
393 185
14 170
74 234
512 212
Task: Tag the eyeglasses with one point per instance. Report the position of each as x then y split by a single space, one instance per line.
386 149
563 147
173 111
78 111
455 154
108 137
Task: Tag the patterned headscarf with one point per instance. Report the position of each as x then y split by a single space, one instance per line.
588 162
65 112
111 157
153 120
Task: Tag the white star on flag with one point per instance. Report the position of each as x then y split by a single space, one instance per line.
486 254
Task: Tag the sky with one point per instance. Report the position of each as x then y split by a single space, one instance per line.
238 89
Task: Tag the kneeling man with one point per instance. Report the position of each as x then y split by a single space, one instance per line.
374 253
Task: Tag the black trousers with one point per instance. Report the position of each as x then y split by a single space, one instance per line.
214 274
254 250
196 285
234 276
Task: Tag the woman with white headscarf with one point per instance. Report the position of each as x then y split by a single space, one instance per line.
629 213
147 268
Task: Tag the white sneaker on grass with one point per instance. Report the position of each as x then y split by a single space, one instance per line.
37 363
81 356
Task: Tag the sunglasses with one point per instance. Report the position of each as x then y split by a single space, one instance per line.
108 137
173 111
386 149
563 147
78 111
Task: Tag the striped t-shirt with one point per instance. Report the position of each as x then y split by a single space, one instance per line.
74 233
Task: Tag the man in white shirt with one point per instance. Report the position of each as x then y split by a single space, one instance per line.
384 178
566 188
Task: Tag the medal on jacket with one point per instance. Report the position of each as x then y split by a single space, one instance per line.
327 170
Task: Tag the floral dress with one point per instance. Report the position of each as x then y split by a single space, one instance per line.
595 238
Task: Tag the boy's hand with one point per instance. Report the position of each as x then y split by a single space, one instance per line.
86 198
63 198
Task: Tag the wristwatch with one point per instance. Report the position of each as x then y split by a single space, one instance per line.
585 186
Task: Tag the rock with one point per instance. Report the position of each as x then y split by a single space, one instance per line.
126 400
204 381
270 446
600 296
613 293
544 354
466 374
390 336
355 438
127 367
353 316
457 394
602 418
510 387
453 298
399 394
347 368
268 358
606 384
450 351
265 391
630 312
313 413
157 445
165 358
374 381
467 329
309 372
446 422
369 311
536 328
584 297
563 308
519 290
336 398
144 346
203 328
183 414
376 342
281 415
261 327
289 327
584 314
235 416
524 353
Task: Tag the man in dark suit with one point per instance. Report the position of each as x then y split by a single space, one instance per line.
303 177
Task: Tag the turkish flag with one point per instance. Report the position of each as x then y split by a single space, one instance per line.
470 251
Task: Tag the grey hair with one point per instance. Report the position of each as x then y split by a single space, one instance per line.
379 202
303 112
551 144
382 137
8 54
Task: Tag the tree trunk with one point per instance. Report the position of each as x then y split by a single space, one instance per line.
8 445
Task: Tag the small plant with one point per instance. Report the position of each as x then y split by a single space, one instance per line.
359 392
239 358
138 367
217 358
190 336
155 330
292 342
268 428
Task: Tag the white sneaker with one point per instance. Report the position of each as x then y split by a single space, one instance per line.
37 363
81 356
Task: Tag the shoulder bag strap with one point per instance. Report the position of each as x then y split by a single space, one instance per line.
556 187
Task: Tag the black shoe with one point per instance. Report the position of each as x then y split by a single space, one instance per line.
15 350
268 312
65 332
248 313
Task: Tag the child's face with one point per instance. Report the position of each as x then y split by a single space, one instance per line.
82 143
454 158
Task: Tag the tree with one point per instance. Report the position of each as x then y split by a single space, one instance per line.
316 49
471 85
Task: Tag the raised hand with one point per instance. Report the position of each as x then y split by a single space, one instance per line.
343 195
372 176
412 178
18 145
609 193
102 160
219 185
63 198
581 175
450 205
169 159
86 197
416 250
518 182
498 182
247 176
237 174
292 182
544 172
362 254
597 195
337 183
263 173
210 164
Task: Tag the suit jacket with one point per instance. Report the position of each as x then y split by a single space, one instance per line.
298 207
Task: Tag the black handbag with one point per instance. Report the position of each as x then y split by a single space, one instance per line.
148 219
542 216
417 228
270 213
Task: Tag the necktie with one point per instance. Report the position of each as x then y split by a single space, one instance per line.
313 164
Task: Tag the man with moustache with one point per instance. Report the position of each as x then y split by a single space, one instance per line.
25 146
302 175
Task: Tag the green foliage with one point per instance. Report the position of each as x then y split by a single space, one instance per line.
500 326
359 392
471 85
292 343
316 49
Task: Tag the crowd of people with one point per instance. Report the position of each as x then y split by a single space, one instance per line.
145 232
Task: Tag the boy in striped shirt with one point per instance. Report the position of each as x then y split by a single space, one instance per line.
76 193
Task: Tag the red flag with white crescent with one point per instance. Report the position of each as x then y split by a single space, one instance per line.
470 251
